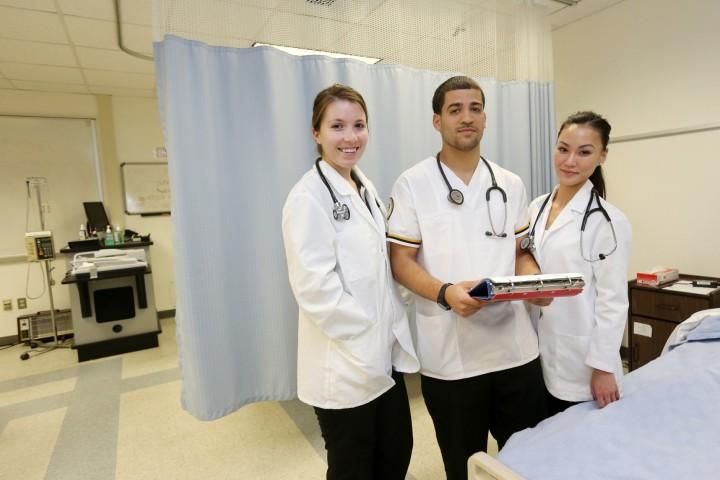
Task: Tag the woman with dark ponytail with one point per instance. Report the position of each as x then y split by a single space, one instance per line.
580 336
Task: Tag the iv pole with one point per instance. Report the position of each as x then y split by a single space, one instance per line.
37 183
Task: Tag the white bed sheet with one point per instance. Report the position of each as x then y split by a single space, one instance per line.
666 426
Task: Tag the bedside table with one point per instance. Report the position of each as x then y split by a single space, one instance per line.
654 312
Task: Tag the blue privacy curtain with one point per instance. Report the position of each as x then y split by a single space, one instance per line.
237 130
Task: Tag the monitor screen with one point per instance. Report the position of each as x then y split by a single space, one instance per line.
97 219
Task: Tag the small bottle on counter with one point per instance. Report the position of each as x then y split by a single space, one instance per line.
119 236
83 233
109 240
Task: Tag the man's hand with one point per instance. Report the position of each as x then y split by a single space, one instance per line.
461 303
604 388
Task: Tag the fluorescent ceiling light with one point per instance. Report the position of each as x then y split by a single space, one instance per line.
303 51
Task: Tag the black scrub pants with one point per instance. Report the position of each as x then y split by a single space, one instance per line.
370 442
556 405
464 411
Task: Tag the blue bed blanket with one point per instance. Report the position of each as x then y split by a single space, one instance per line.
666 425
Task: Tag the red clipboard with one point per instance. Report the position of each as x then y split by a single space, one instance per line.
524 287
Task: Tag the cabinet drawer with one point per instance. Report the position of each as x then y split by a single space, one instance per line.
665 306
647 339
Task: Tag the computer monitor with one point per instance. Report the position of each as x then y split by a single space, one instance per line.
97 219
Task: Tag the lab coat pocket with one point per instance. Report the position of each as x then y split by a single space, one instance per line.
569 361
357 252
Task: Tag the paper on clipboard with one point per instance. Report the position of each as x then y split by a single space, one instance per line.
524 287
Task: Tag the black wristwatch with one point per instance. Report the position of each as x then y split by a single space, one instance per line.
441 297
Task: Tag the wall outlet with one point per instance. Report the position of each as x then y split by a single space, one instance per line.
7 305
21 303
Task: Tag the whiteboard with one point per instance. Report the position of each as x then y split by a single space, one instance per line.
63 151
147 188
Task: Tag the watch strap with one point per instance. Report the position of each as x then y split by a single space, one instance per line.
441 297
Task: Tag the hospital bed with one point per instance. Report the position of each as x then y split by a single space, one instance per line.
666 426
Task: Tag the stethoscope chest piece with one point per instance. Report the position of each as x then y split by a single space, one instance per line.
341 211
456 196
528 244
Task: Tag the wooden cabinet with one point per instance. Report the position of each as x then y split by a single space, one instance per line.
654 313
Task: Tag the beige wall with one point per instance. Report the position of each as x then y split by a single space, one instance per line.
128 129
648 66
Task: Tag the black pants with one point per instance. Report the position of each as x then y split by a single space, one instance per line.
372 441
556 405
464 411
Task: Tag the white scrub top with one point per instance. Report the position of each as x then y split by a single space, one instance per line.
353 326
583 332
453 247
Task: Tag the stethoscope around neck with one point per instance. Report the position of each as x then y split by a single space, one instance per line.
341 211
528 243
456 197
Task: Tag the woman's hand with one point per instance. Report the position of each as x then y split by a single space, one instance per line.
604 388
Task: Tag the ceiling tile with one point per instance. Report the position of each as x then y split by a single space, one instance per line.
138 12
221 19
363 41
41 73
5 83
583 9
138 38
45 5
50 87
119 79
101 59
31 25
91 33
122 92
299 31
88 8
36 53
341 10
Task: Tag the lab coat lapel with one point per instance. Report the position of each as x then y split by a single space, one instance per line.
540 228
378 218
572 213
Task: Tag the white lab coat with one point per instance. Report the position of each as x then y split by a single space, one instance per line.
353 326
577 334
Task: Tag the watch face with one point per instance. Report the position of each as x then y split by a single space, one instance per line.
456 197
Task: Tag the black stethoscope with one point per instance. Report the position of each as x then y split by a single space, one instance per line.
528 243
341 210
456 197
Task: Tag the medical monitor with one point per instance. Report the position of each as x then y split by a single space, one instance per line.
97 219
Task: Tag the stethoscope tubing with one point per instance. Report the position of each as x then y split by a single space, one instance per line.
456 197
341 210
528 243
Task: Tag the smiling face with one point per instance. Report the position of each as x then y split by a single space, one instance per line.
342 135
461 122
579 150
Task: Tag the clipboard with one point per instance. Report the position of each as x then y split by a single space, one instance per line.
524 287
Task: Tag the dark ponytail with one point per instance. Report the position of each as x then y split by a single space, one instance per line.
598 181
602 127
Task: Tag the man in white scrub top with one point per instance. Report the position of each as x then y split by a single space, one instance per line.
479 361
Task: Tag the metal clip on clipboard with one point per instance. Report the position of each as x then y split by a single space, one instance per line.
524 287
